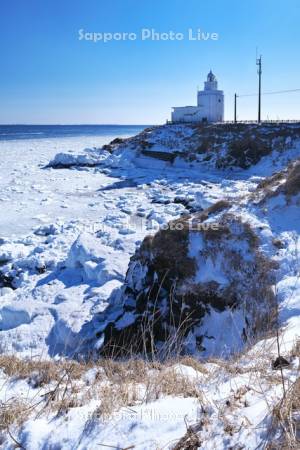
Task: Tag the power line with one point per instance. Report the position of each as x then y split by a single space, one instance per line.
259 94
281 92
270 93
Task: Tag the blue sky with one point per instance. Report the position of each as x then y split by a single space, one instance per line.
49 76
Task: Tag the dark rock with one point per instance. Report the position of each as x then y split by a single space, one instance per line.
144 145
161 202
280 363
183 201
6 281
41 269
117 141
107 147
163 156
278 243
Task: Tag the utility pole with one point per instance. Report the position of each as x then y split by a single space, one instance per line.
235 97
258 63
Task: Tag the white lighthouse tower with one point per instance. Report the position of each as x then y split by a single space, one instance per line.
210 105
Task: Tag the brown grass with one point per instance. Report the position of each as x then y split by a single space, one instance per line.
169 382
13 412
292 184
154 385
194 363
286 181
271 182
191 440
216 208
286 420
39 372
119 384
136 381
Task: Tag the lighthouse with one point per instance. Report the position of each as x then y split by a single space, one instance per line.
210 105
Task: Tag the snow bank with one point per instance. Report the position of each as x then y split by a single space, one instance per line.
89 158
97 262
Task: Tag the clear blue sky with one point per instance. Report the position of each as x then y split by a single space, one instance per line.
49 76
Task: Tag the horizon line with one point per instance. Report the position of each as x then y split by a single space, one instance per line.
79 124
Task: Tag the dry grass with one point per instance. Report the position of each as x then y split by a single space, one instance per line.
286 421
194 363
133 370
191 440
170 253
286 181
247 144
136 382
155 385
215 208
271 182
248 150
13 412
39 372
295 352
117 384
133 382
170 383
292 183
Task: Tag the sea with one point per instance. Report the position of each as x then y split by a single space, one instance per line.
21 132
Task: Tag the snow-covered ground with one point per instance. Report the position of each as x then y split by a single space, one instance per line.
30 196
44 213
66 238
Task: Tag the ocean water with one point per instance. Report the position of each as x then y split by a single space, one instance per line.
20 132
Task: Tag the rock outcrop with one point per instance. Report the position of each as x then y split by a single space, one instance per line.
201 277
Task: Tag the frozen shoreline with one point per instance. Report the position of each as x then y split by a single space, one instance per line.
31 196
67 239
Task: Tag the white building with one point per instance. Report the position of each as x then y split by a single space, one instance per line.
210 105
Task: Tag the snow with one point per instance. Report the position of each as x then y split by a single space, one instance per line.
162 421
99 263
89 158
211 271
222 331
12 316
66 239
231 409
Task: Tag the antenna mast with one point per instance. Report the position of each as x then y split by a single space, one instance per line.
258 63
